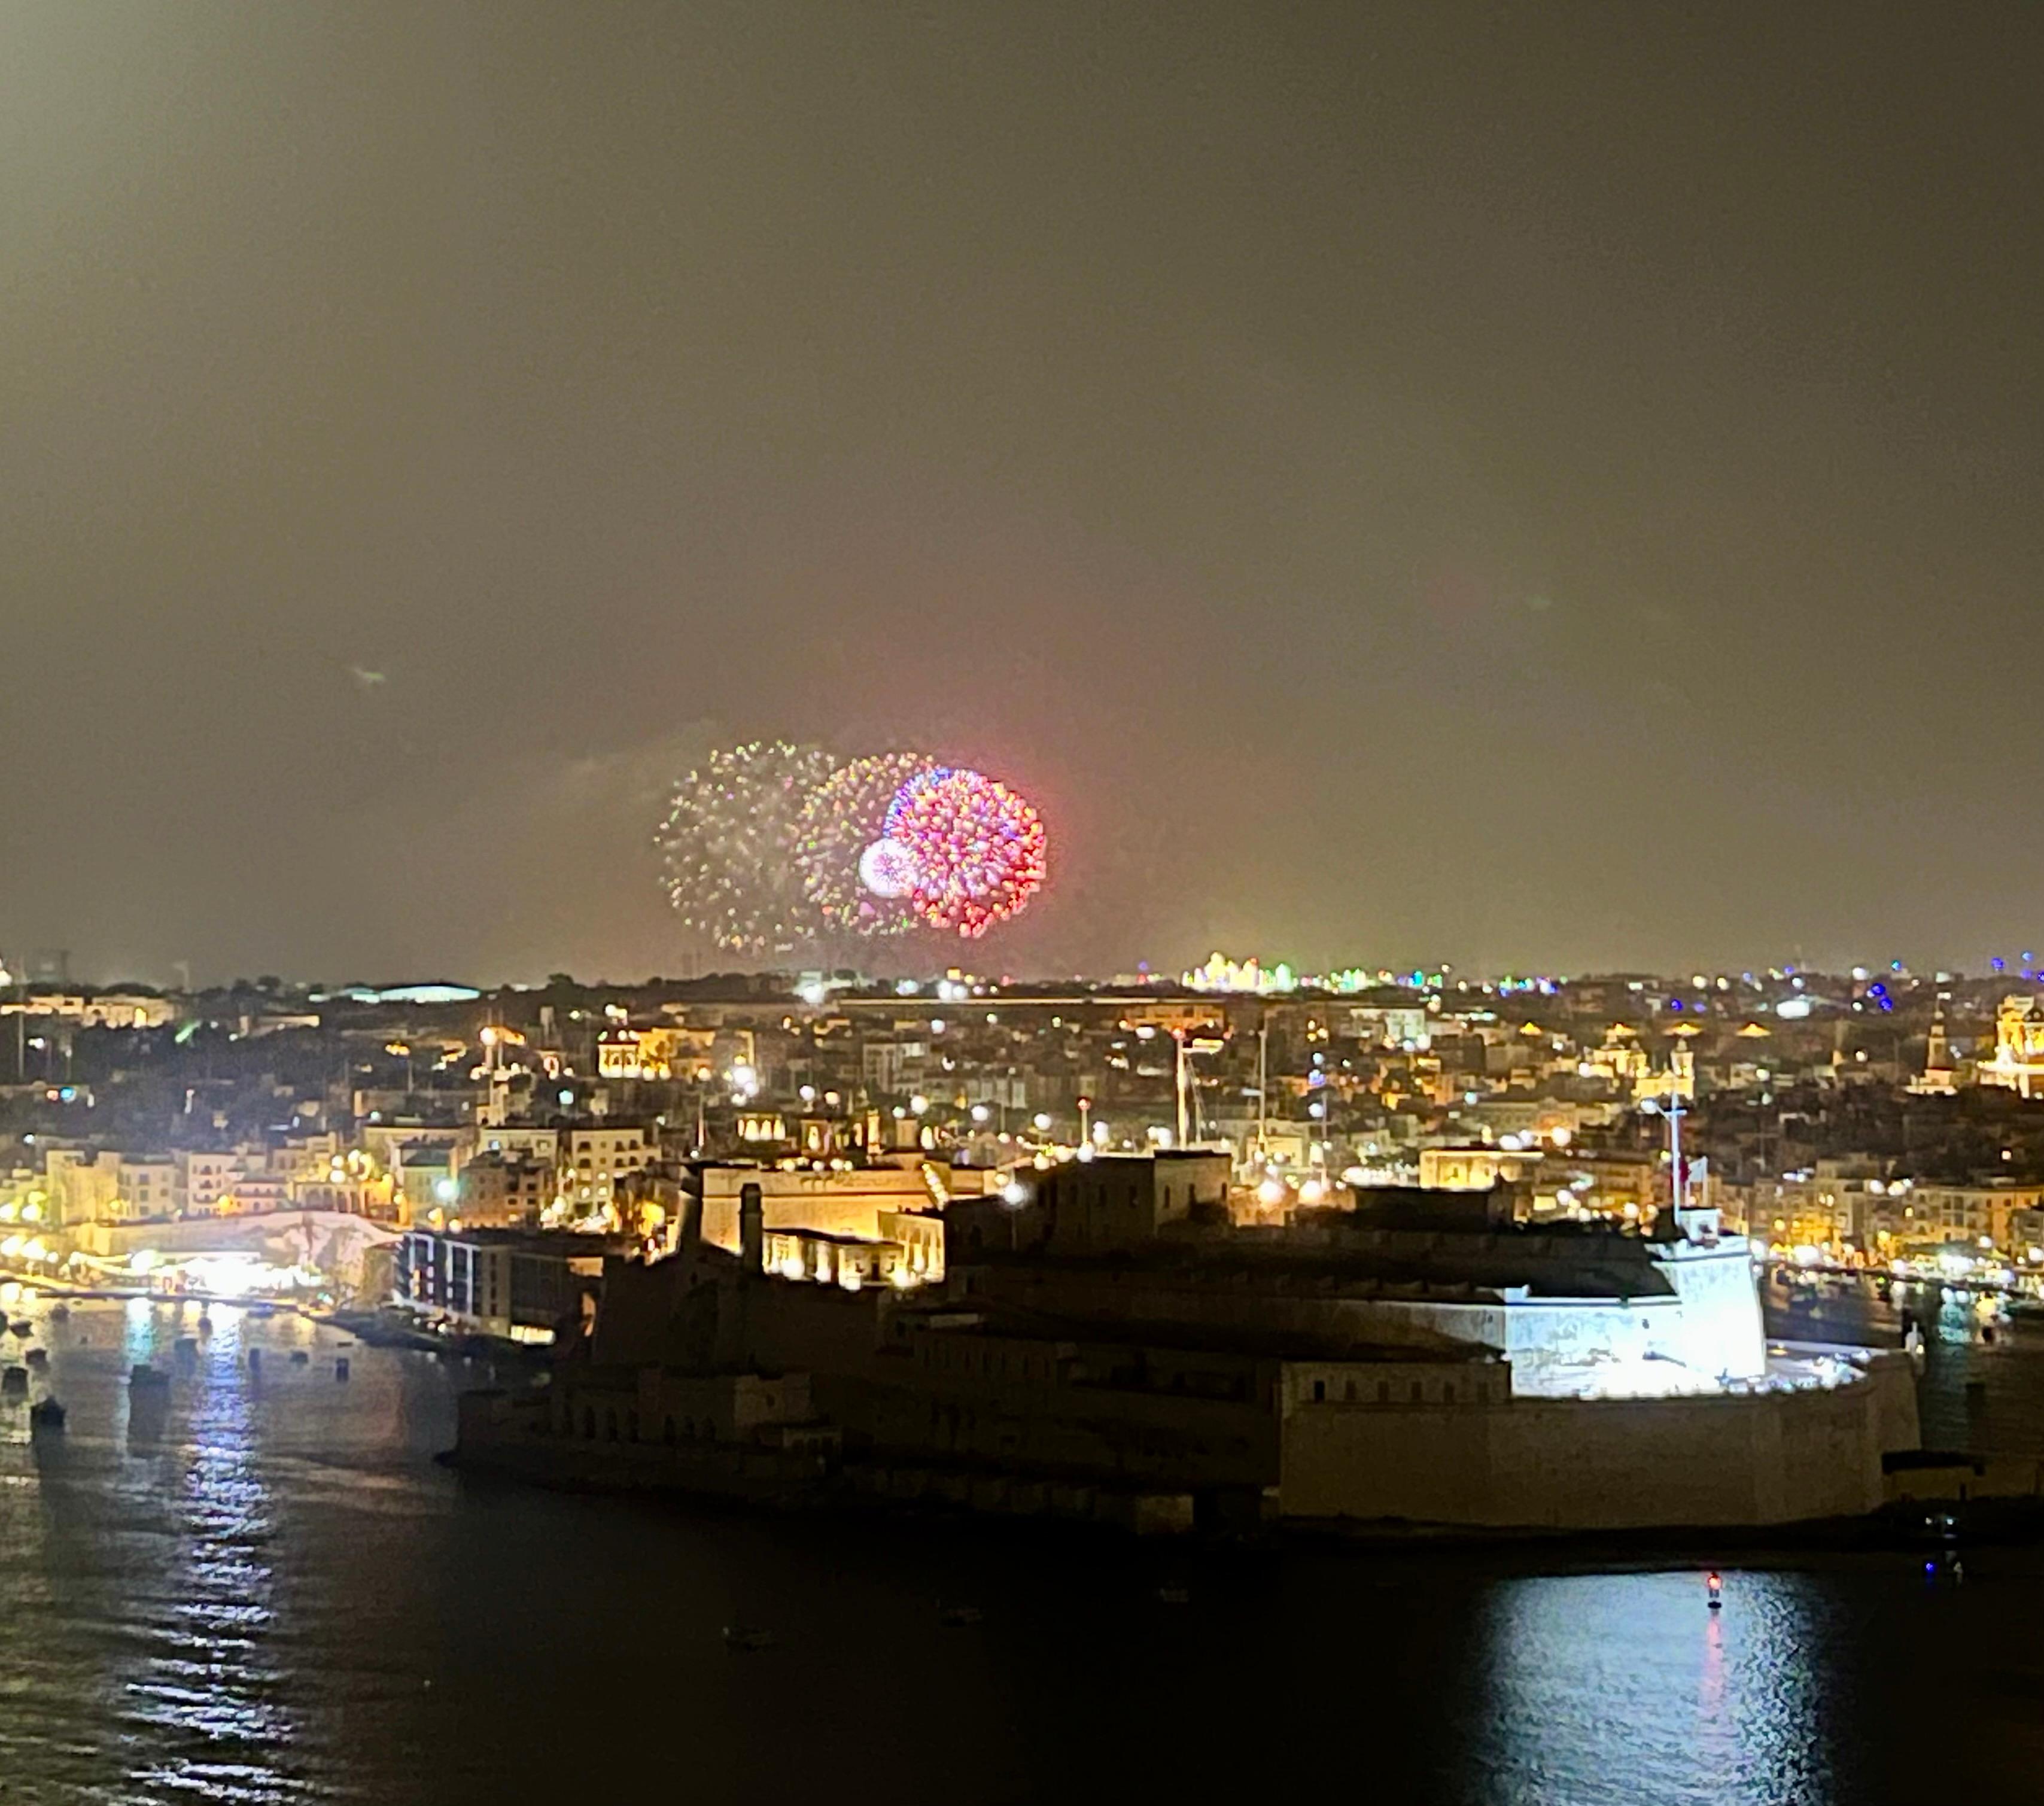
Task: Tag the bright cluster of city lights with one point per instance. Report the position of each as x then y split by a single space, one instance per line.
1253 977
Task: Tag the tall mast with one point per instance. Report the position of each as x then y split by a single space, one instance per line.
1262 1084
1179 1039
1675 1185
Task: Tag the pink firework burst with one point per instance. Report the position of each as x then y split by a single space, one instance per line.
978 847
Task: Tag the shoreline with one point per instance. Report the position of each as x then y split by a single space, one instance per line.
950 1496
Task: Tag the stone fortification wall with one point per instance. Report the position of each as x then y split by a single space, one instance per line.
1117 1298
1708 1320
1547 1338
1607 1464
1540 1337
1719 1329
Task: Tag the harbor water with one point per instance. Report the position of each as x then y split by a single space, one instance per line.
256 1585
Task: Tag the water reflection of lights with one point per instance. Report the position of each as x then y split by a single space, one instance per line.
1613 1689
202 1700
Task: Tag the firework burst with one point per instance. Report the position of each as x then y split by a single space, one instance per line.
975 848
728 846
858 883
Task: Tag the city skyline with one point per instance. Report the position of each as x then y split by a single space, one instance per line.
1017 845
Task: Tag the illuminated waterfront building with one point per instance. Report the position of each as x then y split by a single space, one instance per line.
513 1285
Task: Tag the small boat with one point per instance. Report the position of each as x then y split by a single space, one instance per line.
15 1383
46 1414
740 1641
143 1378
956 1617
37 1357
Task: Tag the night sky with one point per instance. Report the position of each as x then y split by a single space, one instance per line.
1545 488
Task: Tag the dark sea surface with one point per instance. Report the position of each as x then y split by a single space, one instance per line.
264 1590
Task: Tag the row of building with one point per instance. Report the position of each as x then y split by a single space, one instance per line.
1868 1116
